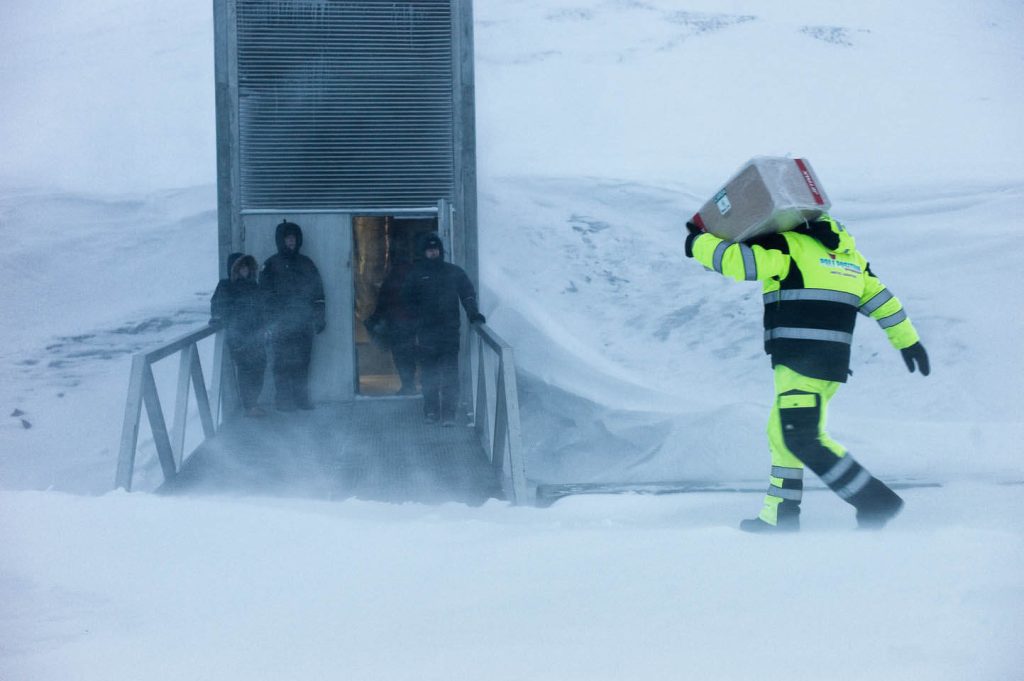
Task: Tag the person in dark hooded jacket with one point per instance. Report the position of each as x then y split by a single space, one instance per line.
432 292
394 325
238 305
296 310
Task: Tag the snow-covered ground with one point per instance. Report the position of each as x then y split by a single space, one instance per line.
146 587
602 125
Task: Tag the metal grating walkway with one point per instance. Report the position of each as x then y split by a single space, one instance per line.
373 449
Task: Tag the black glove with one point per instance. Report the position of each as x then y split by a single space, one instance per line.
693 232
916 353
477 318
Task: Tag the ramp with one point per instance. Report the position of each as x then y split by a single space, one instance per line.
373 449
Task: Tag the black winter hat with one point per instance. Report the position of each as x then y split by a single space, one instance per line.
430 240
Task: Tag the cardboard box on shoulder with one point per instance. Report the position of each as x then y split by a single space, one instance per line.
769 194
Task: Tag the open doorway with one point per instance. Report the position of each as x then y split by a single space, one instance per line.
383 250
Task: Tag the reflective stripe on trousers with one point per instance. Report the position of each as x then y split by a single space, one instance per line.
787 483
803 393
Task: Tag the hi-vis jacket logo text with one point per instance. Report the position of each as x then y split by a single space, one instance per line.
832 262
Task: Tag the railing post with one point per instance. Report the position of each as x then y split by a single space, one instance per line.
130 427
217 375
186 357
157 424
465 377
500 423
202 397
481 419
517 465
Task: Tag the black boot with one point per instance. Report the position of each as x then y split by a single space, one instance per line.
756 525
787 520
876 505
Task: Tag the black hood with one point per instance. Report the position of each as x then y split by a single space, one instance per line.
427 240
283 230
822 231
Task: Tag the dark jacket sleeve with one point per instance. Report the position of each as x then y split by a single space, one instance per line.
389 299
467 294
318 288
266 281
318 302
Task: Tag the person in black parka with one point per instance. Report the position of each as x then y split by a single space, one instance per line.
432 292
394 325
239 305
295 302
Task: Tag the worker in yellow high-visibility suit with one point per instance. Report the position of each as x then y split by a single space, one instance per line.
815 282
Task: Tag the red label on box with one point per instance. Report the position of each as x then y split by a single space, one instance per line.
811 184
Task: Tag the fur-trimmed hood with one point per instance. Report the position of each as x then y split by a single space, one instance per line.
243 261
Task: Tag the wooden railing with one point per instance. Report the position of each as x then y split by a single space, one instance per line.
496 410
142 392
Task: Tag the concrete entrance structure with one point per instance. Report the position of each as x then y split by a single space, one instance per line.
355 120
329 110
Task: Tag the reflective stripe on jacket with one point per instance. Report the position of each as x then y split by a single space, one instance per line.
815 282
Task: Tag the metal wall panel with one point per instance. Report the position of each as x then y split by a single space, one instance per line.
327 239
345 103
